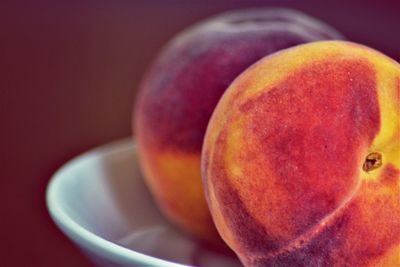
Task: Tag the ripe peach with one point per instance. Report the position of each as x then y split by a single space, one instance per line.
301 159
184 85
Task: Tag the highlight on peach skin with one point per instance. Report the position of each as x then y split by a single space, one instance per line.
301 159
182 88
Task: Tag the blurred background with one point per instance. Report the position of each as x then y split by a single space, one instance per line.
69 73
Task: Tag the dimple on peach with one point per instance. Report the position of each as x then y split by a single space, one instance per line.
301 159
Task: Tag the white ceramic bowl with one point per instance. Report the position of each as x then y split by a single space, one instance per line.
100 202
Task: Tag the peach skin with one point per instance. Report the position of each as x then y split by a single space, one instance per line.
181 89
301 159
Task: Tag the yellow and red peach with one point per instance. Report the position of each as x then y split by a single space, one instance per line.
301 159
184 85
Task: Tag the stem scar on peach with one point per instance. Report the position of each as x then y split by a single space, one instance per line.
372 161
301 159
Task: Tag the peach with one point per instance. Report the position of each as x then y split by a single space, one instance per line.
301 159
181 89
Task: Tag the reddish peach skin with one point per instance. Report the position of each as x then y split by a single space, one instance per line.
184 85
301 159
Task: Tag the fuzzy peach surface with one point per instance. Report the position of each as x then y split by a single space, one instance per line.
183 85
283 156
179 198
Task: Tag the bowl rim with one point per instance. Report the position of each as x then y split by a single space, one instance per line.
79 234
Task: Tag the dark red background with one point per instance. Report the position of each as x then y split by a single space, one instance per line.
68 77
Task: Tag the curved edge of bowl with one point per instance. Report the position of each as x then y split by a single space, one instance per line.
82 237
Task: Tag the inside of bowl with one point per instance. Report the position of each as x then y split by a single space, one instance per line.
103 191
